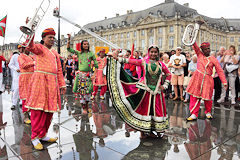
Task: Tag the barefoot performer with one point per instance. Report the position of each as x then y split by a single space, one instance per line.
83 84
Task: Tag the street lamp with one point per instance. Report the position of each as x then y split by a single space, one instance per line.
59 42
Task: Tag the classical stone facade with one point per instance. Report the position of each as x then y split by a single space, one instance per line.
8 49
162 25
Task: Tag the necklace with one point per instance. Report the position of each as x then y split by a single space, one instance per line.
151 71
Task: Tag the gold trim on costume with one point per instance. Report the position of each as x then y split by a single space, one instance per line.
46 72
26 72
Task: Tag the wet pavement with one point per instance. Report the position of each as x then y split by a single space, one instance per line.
99 133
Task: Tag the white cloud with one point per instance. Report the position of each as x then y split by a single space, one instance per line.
83 12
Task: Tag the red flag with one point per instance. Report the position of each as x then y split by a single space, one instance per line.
78 47
3 26
132 51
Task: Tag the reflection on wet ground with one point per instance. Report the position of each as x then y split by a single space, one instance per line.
98 133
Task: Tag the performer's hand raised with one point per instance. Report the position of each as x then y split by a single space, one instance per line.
69 36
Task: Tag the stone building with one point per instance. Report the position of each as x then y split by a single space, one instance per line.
63 47
162 25
9 49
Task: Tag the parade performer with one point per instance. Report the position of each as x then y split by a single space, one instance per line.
69 67
201 84
26 65
83 84
14 66
140 103
2 58
47 83
99 77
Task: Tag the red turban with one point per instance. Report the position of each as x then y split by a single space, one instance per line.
102 50
48 31
205 45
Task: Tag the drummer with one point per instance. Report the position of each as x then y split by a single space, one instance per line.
99 78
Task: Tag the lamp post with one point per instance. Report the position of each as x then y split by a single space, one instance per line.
59 41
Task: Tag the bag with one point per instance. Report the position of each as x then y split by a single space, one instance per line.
105 71
231 67
186 80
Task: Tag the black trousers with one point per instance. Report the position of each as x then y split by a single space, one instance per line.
217 87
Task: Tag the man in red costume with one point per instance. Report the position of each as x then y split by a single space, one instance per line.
46 84
201 84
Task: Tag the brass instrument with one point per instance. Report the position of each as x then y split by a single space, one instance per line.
32 25
191 32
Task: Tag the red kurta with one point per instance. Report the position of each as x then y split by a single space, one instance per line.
2 58
201 84
26 69
47 79
100 79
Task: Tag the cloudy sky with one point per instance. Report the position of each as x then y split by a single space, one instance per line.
83 12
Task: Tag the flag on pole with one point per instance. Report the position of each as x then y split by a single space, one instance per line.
3 26
132 51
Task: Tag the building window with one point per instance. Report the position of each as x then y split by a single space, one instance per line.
116 36
223 39
105 37
142 32
122 35
93 48
182 29
128 34
151 31
121 45
160 30
171 29
143 44
160 42
239 48
128 45
239 39
110 37
232 39
171 42
135 45
151 41
135 33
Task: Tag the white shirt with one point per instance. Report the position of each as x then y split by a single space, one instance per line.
13 64
177 60
3 64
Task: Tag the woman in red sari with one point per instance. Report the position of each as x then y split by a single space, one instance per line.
140 103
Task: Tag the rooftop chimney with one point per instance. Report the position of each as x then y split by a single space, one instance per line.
117 14
186 4
105 17
169 1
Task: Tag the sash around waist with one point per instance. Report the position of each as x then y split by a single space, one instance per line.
203 73
46 72
26 72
